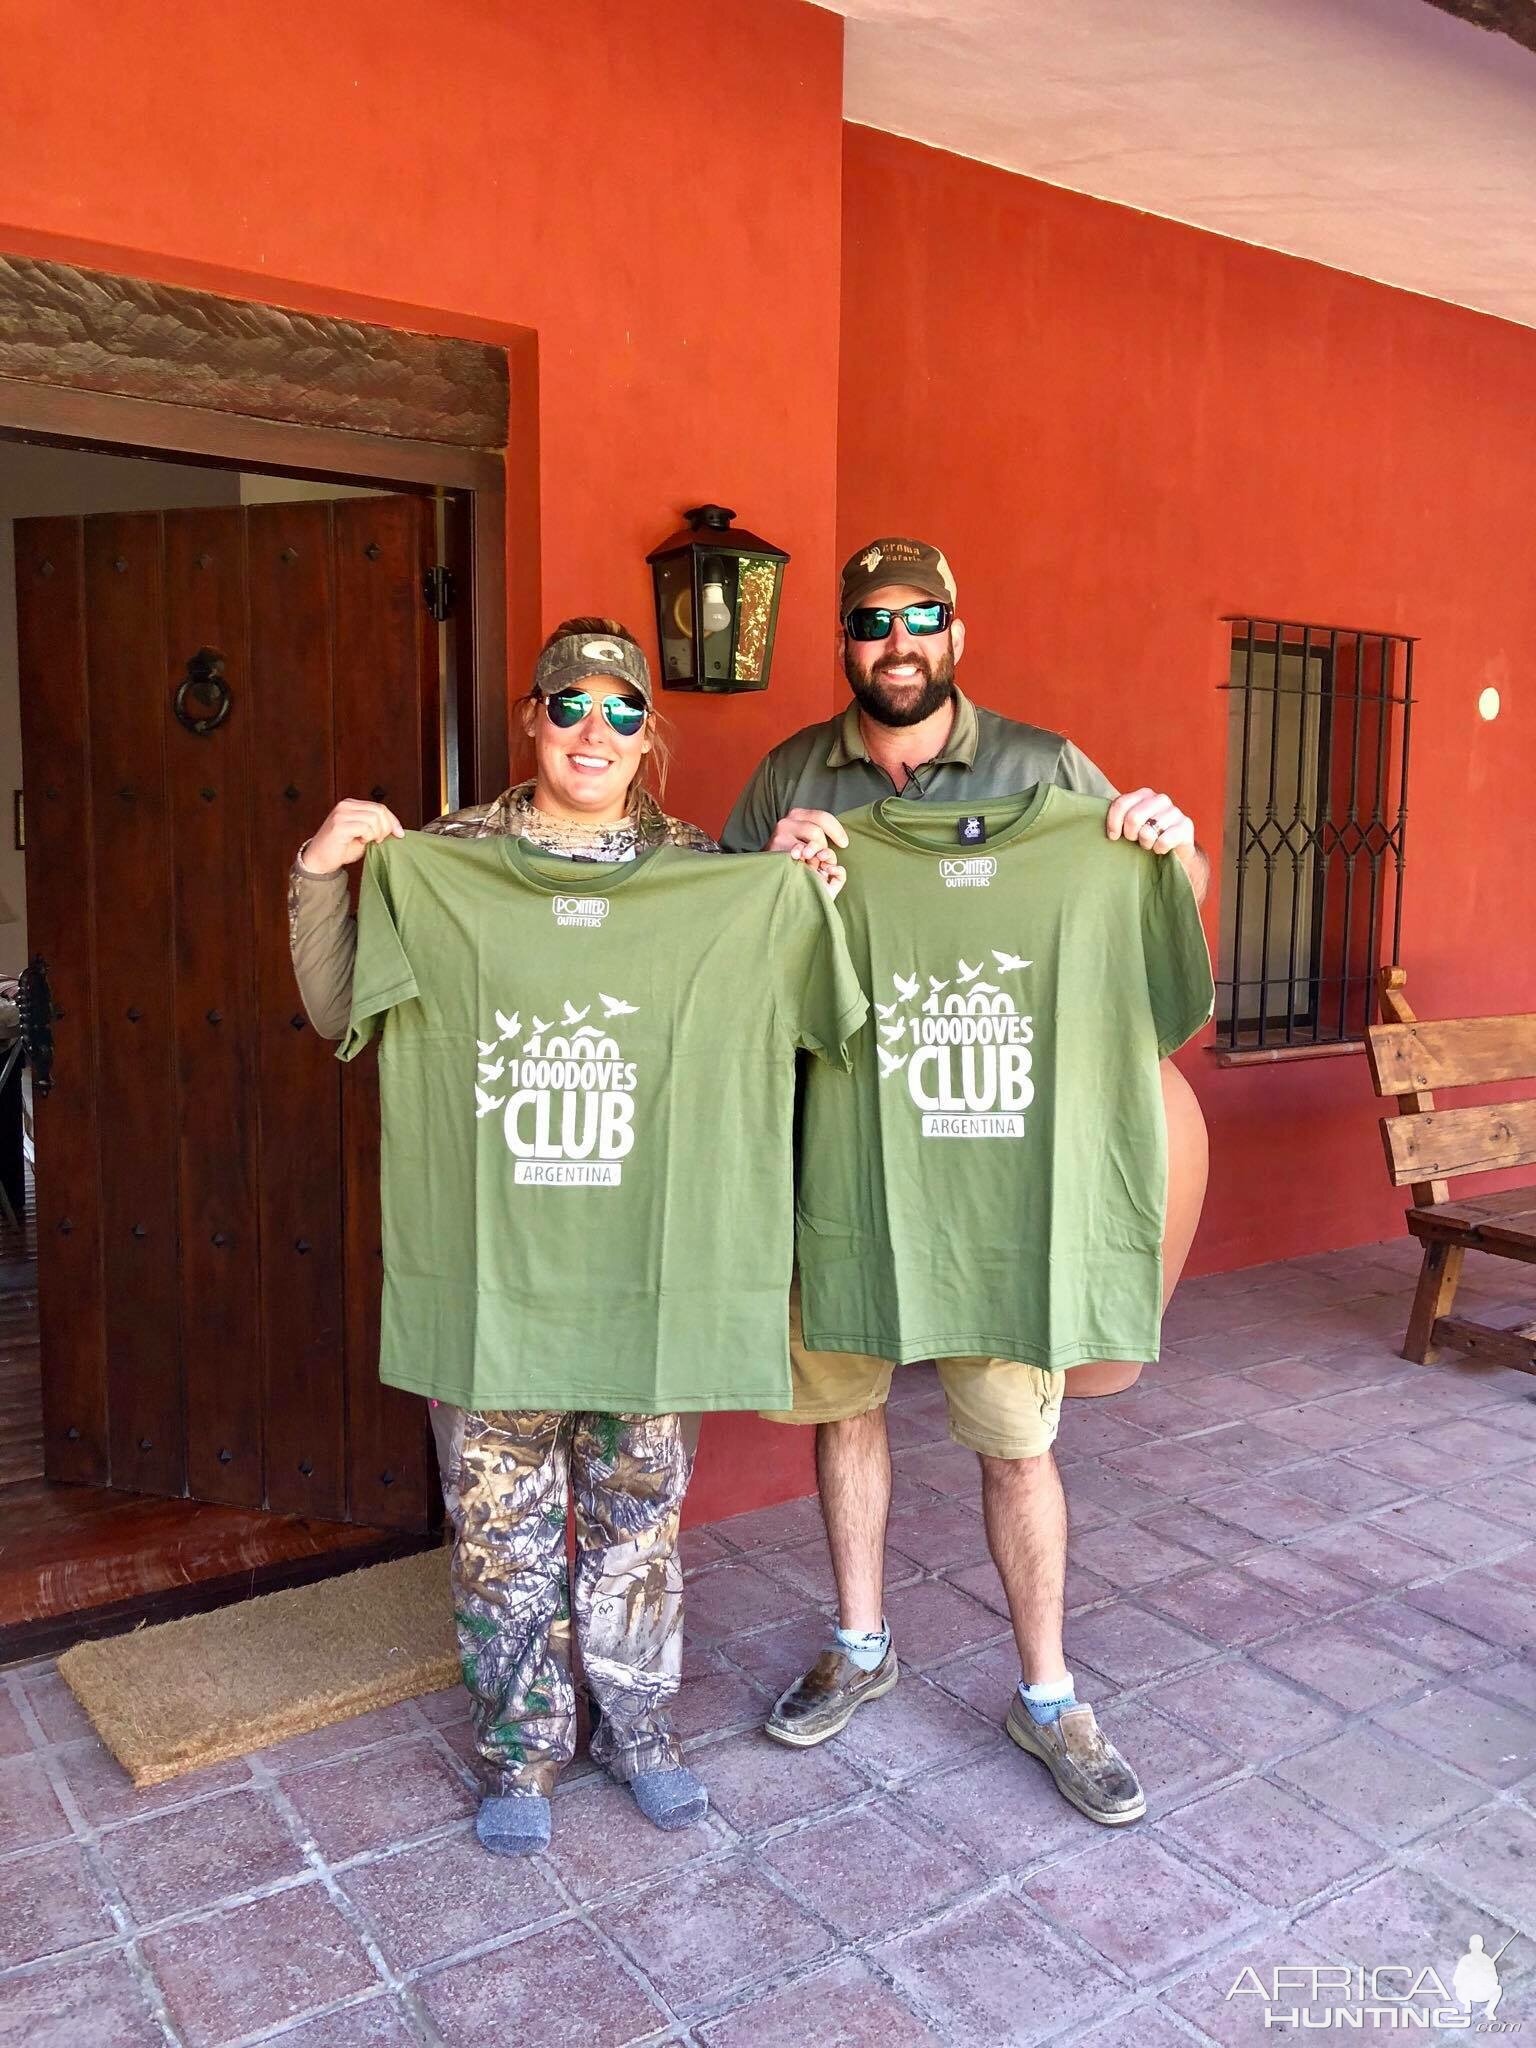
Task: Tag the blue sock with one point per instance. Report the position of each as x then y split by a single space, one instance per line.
1046 1701
866 1647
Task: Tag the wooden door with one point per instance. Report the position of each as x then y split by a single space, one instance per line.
207 1173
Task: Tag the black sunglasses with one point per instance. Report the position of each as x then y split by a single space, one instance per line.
874 621
626 715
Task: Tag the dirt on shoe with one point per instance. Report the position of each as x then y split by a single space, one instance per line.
828 1697
1089 1771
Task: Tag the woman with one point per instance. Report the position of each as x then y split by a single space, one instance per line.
590 729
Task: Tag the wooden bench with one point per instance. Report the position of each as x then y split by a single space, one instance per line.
1426 1146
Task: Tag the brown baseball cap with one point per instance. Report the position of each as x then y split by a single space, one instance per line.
896 560
578 656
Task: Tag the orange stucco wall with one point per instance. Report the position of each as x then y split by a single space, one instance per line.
650 185
1121 429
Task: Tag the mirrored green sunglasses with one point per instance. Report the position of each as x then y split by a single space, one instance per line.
874 621
626 715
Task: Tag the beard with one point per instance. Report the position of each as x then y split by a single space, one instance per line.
911 707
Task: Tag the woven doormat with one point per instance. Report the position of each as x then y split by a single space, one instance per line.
191 1693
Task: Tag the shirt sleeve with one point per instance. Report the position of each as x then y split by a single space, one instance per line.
322 940
1075 771
382 976
751 823
820 1002
1178 962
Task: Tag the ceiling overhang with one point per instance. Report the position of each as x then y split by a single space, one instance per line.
1385 137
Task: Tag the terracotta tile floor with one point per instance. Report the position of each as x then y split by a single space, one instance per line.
1303 1596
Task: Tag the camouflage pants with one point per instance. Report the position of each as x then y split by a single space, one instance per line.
507 1478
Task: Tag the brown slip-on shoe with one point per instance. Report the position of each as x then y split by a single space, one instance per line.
827 1698
1089 1771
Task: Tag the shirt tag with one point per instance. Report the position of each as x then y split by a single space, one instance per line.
972 831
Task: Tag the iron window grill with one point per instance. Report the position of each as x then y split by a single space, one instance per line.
1317 809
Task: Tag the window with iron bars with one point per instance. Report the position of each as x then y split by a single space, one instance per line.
1318 727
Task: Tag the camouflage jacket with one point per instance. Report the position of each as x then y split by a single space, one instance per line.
322 933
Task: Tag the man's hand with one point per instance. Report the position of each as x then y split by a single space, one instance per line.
347 834
1150 819
799 833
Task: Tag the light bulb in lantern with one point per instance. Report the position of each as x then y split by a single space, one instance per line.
714 612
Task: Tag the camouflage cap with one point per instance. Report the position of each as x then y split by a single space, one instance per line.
577 656
885 563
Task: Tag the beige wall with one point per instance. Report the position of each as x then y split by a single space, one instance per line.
283 490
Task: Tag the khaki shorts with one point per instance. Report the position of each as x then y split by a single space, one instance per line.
996 1407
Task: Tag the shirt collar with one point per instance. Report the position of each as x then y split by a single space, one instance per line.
646 824
958 750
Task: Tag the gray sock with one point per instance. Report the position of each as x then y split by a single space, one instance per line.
670 1799
513 1823
866 1647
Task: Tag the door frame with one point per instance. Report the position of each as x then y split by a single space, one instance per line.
97 360
106 362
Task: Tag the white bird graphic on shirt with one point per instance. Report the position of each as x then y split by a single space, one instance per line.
967 973
485 1050
485 1103
612 1007
936 985
573 1015
904 987
492 1073
890 1062
508 1026
884 1009
891 1032
1008 963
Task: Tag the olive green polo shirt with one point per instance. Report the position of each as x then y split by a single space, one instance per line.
826 767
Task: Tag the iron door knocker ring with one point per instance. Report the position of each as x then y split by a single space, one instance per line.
202 697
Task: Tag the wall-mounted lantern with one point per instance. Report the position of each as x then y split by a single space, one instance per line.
717 603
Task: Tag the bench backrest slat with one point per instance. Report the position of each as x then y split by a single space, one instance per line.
1443 1142
1457 1052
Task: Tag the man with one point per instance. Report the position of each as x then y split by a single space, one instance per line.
910 731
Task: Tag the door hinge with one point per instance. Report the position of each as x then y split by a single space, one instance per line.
437 589
35 1012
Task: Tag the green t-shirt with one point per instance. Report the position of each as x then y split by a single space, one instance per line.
587 1078
989 1176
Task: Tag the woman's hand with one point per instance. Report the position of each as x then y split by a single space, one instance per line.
347 834
824 862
